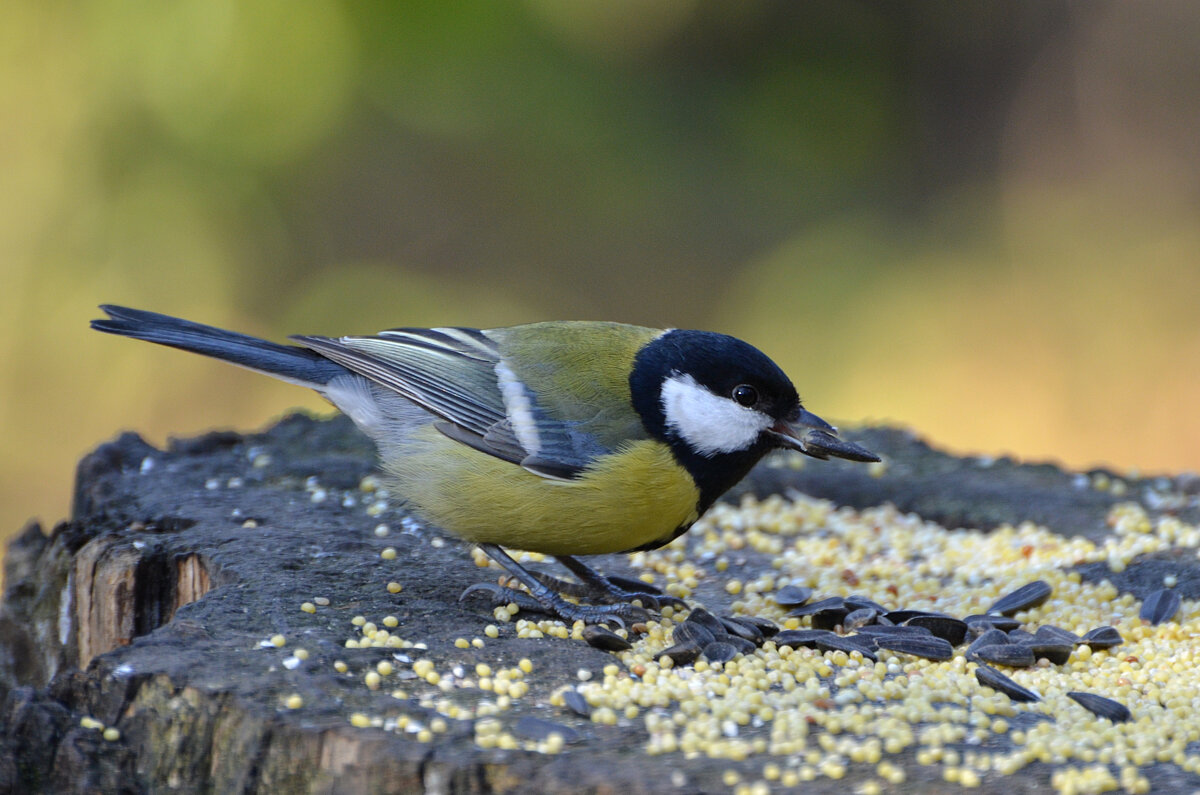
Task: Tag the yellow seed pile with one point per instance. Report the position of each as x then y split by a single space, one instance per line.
824 711
785 716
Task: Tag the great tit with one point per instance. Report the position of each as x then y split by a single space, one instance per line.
566 438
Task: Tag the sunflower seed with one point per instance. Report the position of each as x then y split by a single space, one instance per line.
577 703
1056 653
602 637
707 620
1102 638
1012 655
931 647
743 629
993 637
945 627
862 644
691 632
905 615
829 603
990 677
681 653
1024 598
766 626
793 595
719 651
1049 632
900 616
1102 707
858 618
858 602
828 619
1160 606
801 638
1020 636
981 623
903 630
741 644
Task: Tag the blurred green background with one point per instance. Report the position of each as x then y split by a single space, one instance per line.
979 220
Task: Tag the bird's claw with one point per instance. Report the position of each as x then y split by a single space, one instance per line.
557 607
650 596
501 595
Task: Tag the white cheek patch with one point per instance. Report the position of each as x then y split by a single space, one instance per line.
710 424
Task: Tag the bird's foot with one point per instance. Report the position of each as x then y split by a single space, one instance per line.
555 606
612 589
628 589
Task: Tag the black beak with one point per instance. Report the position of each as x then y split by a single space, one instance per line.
811 435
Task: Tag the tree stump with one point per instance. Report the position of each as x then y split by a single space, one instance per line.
152 612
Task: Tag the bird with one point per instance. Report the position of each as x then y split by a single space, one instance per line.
567 438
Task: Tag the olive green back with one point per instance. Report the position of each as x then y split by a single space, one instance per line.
580 372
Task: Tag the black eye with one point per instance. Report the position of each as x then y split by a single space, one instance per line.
745 395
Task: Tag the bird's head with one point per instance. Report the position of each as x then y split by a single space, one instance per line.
721 404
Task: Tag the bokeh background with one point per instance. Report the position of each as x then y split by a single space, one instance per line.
978 220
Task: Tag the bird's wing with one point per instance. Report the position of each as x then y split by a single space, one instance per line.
460 375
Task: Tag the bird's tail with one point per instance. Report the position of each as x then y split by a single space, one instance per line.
286 362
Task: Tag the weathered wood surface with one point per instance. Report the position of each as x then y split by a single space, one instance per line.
147 611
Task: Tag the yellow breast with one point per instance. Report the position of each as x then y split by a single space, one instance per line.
627 500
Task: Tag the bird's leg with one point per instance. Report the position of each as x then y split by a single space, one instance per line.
617 589
549 601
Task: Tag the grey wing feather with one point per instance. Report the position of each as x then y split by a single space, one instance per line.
452 373
564 452
560 461
460 388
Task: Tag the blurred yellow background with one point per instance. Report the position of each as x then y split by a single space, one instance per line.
980 221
